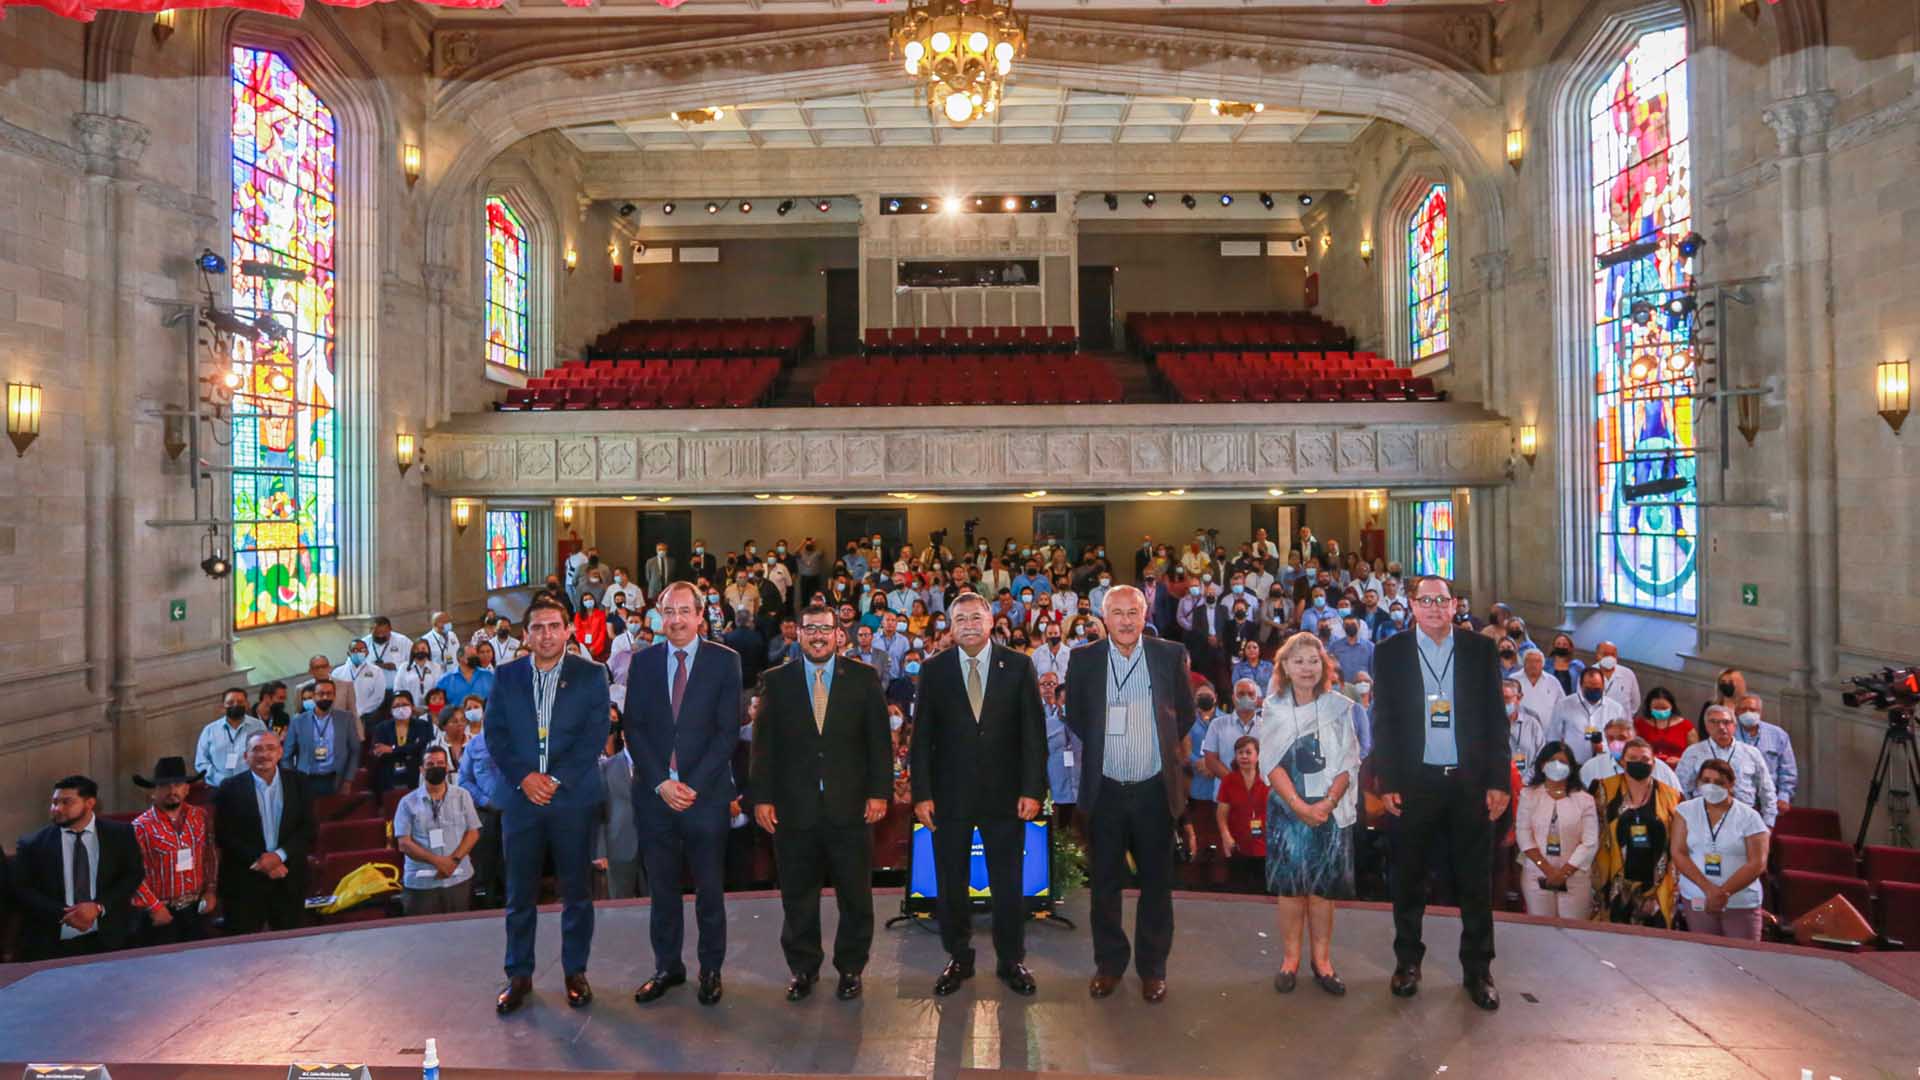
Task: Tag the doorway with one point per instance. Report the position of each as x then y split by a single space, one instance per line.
1078 527
850 525
843 311
671 527
1096 308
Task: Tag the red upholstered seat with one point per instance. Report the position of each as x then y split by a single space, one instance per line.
1809 821
1819 856
1888 864
328 869
1802 890
355 834
1900 912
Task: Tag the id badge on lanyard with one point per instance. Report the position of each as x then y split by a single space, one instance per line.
1439 712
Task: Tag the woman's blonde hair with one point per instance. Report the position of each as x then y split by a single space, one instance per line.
1301 640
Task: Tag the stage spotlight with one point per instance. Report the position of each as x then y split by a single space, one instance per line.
1189 201
1641 312
211 263
1149 199
1691 244
1266 200
746 206
713 207
785 207
1306 199
893 206
1010 204
823 205
1112 201
627 209
667 209
1226 199
1680 306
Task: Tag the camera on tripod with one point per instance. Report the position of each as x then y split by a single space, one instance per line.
938 539
1895 691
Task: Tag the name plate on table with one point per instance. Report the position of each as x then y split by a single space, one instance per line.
66 1072
328 1072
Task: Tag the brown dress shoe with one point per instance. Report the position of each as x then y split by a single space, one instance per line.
513 995
1153 991
1103 986
579 992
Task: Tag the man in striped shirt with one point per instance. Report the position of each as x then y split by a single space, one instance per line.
176 845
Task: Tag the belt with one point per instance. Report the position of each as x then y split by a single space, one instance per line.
1440 770
1155 779
183 904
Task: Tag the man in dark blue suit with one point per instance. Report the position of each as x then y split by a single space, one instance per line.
547 720
683 718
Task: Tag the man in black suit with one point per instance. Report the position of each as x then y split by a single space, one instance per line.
1130 700
1210 639
1440 752
263 823
979 760
74 879
822 772
701 565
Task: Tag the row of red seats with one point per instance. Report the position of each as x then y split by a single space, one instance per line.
982 380
656 370
1810 864
1306 363
1155 331
711 384
967 338
789 337
1205 383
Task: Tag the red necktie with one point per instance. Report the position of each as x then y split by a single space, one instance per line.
679 681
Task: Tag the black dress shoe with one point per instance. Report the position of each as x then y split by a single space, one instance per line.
579 991
1483 992
1330 982
656 988
709 988
951 977
1018 979
513 995
1406 981
849 987
800 986
1284 982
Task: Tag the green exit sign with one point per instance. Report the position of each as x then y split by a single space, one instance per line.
1750 595
176 611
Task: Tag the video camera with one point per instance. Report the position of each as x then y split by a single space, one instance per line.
937 538
1896 691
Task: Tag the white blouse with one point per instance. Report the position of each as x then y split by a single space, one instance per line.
1330 717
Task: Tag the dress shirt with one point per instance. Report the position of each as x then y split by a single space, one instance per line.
692 649
546 687
1355 657
1063 757
478 773
88 835
856 565
1573 719
1604 765
1542 696
1202 786
1437 679
808 667
1051 658
1774 745
1729 842
420 817
895 646
167 882
443 649
458 685
417 679
271 797
396 651
369 686
1525 737
222 748
1097 600
1133 754
1753 780
1227 729
1623 686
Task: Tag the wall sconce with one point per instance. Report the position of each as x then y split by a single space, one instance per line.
1746 411
410 162
1366 252
462 515
1326 242
23 415
572 260
173 438
1529 443
1892 388
165 22
1374 502
1516 148
566 513
403 451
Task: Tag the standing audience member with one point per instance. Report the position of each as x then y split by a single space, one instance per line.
322 745
398 743
176 847
221 749
319 670
263 822
1663 727
435 827
1524 735
386 651
1562 665
1719 849
1603 765
1557 832
1581 720
1064 752
616 841
1729 688
1540 692
1226 730
1632 874
1241 817
479 777
1250 667
1622 685
75 879
1752 778
1774 746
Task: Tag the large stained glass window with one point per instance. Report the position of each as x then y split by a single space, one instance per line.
286 558
1433 537
506 549
506 285
1427 275
1647 523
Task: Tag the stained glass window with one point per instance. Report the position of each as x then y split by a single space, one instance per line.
1433 537
1427 274
506 285
1647 525
286 558
506 548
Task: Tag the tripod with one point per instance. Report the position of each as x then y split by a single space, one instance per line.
1899 735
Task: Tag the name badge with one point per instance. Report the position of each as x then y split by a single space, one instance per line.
1520 762
183 859
1637 836
1116 719
1439 713
1553 843
1256 826
1066 758
436 838
233 759
1712 868
321 752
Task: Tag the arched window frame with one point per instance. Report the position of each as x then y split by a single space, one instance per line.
1416 175
521 194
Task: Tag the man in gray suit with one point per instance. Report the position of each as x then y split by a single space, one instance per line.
659 571
616 843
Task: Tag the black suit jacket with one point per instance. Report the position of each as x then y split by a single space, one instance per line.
236 829
40 886
1196 635
982 770
1168 667
853 756
702 566
1400 711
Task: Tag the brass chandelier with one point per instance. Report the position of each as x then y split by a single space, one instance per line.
962 50
1236 110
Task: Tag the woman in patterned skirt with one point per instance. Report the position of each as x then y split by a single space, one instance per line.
1311 756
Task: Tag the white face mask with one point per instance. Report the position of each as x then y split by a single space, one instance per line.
1608 663
1713 793
1556 770
895 721
476 715
402 712
1749 720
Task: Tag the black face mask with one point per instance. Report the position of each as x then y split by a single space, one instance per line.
1204 704
1562 651
278 712
435 774
323 705
1639 770
236 712
1726 687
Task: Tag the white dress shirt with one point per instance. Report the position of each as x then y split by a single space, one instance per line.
89 835
1623 687
1573 718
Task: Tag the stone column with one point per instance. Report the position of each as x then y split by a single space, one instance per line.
440 282
1806 254
1492 268
113 146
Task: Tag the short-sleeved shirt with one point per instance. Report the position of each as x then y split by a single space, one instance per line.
438 827
1720 853
1246 813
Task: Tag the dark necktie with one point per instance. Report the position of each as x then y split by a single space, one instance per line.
679 681
82 869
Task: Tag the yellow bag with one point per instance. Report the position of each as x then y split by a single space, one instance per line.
362 883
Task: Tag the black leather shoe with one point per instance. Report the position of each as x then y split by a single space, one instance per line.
1483 992
656 988
513 995
800 986
1330 982
951 977
579 991
1018 979
1284 982
1406 980
849 987
709 988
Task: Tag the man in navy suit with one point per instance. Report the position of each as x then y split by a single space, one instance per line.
547 721
683 720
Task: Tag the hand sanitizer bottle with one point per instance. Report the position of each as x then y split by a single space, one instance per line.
430 1067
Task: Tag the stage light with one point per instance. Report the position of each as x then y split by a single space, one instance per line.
1033 203
1009 204
410 163
666 208
746 206
23 415
1149 199
823 205
1691 244
403 452
950 204
627 209
1641 312
1529 442
216 566
1189 201
893 206
1306 199
210 262
1893 389
1112 201
1226 199
785 207
1266 200
713 207
923 206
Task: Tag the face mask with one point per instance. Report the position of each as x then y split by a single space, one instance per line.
895 721
660 552
586 603
1749 720
1639 770
1353 631
307 705
1245 703
1513 709
356 658
1026 598
435 774
1399 616
939 624
713 598
781 550
1593 696
1053 639
419 658
1363 688
1726 687
1507 658
1660 714
1204 704
1608 663
982 547
1238 588
236 712
1320 603
1713 793
475 715
1105 581
1562 651
1346 609
1556 770
913 667
402 712
1204 578
1616 747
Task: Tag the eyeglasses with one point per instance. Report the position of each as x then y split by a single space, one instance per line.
815 628
1433 601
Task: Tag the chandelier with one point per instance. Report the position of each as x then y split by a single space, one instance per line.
1236 110
696 117
963 51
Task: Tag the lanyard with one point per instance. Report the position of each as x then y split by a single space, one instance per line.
1439 677
323 736
1713 831
1120 686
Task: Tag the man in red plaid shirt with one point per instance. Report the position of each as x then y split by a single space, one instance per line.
176 844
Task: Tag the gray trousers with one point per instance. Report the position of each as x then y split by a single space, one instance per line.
619 881
448 901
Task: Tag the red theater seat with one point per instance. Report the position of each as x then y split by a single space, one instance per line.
1900 912
1811 821
1801 891
1818 856
352 835
1887 864
326 875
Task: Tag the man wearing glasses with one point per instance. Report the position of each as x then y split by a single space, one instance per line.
822 773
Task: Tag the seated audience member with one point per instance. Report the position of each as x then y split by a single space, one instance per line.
176 849
1608 761
1774 746
1241 812
1663 727
264 826
1719 849
1581 720
1752 779
398 742
435 827
75 879
1557 832
1633 875
323 745
1524 736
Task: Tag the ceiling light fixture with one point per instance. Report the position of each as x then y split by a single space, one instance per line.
1306 199
1189 201
1112 201
666 208
1149 199
1226 199
713 208
1266 200
746 206
697 117
785 207
1236 110
951 204
961 51
823 205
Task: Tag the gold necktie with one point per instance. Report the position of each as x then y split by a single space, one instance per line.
820 700
975 692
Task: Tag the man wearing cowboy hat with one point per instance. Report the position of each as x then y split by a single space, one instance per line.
176 846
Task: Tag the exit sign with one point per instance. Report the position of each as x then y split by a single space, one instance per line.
176 611
1749 595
